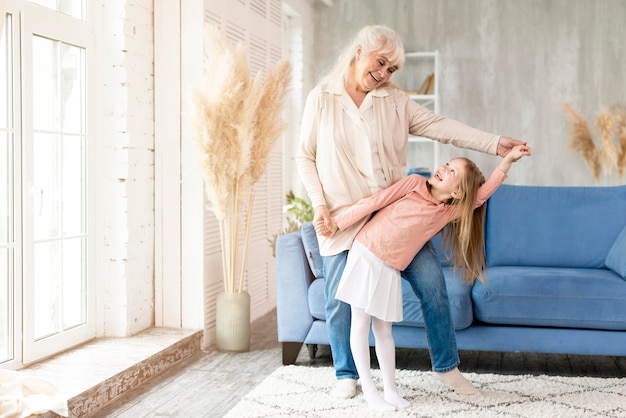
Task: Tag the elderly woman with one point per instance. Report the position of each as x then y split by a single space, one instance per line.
354 140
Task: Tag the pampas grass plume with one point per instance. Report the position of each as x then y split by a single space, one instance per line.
269 124
581 139
607 152
236 122
619 116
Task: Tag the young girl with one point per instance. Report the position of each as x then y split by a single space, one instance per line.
410 213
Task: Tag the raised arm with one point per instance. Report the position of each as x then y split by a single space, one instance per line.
499 174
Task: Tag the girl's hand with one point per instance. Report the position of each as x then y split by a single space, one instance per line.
333 227
506 144
322 222
518 152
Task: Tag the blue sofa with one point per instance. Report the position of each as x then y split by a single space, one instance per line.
556 272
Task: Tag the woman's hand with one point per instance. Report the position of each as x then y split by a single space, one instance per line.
506 144
322 222
518 152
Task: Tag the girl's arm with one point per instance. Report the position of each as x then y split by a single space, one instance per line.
378 200
499 174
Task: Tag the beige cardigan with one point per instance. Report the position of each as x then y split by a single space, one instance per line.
335 158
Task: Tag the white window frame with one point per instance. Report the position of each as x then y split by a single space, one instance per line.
39 21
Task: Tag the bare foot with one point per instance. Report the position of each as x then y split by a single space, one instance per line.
460 384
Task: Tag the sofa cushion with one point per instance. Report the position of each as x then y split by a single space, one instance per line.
553 226
616 258
312 250
317 300
552 297
458 296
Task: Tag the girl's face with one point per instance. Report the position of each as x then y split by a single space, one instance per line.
372 70
447 178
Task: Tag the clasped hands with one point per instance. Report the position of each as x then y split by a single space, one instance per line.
323 223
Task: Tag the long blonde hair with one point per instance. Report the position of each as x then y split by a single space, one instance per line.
465 235
373 38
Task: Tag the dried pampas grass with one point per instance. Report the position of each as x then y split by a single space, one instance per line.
607 152
611 151
619 116
236 123
581 139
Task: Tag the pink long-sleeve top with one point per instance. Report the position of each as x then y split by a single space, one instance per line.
408 216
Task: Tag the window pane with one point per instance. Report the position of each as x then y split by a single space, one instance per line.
6 277
47 289
74 313
74 8
72 100
59 286
46 109
46 189
58 86
74 181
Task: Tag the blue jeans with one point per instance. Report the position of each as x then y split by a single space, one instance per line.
425 276
338 318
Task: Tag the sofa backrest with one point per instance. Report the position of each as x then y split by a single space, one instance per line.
312 250
553 226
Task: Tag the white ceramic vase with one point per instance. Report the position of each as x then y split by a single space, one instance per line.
232 322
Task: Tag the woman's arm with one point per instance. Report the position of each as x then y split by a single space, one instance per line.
423 122
307 152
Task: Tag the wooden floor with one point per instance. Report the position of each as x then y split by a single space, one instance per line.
209 384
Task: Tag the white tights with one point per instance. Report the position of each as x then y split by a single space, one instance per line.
386 354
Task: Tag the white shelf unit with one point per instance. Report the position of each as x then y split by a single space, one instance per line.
423 152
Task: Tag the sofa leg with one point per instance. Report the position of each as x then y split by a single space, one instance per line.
290 352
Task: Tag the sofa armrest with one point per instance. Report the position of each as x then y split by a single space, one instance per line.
293 278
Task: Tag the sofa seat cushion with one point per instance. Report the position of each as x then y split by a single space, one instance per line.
317 300
552 297
458 296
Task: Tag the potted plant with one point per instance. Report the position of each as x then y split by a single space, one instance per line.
298 212
237 120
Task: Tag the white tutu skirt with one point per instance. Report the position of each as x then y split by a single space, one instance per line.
370 284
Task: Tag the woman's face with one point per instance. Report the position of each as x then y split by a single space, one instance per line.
372 70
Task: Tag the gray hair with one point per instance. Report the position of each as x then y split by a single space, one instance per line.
375 38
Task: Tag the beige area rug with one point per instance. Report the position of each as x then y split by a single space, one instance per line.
299 391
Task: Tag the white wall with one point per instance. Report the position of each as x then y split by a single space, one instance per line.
127 186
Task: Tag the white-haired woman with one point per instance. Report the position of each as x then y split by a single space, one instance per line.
354 139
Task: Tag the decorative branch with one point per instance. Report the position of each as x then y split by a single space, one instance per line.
619 116
236 123
607 151
581 139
